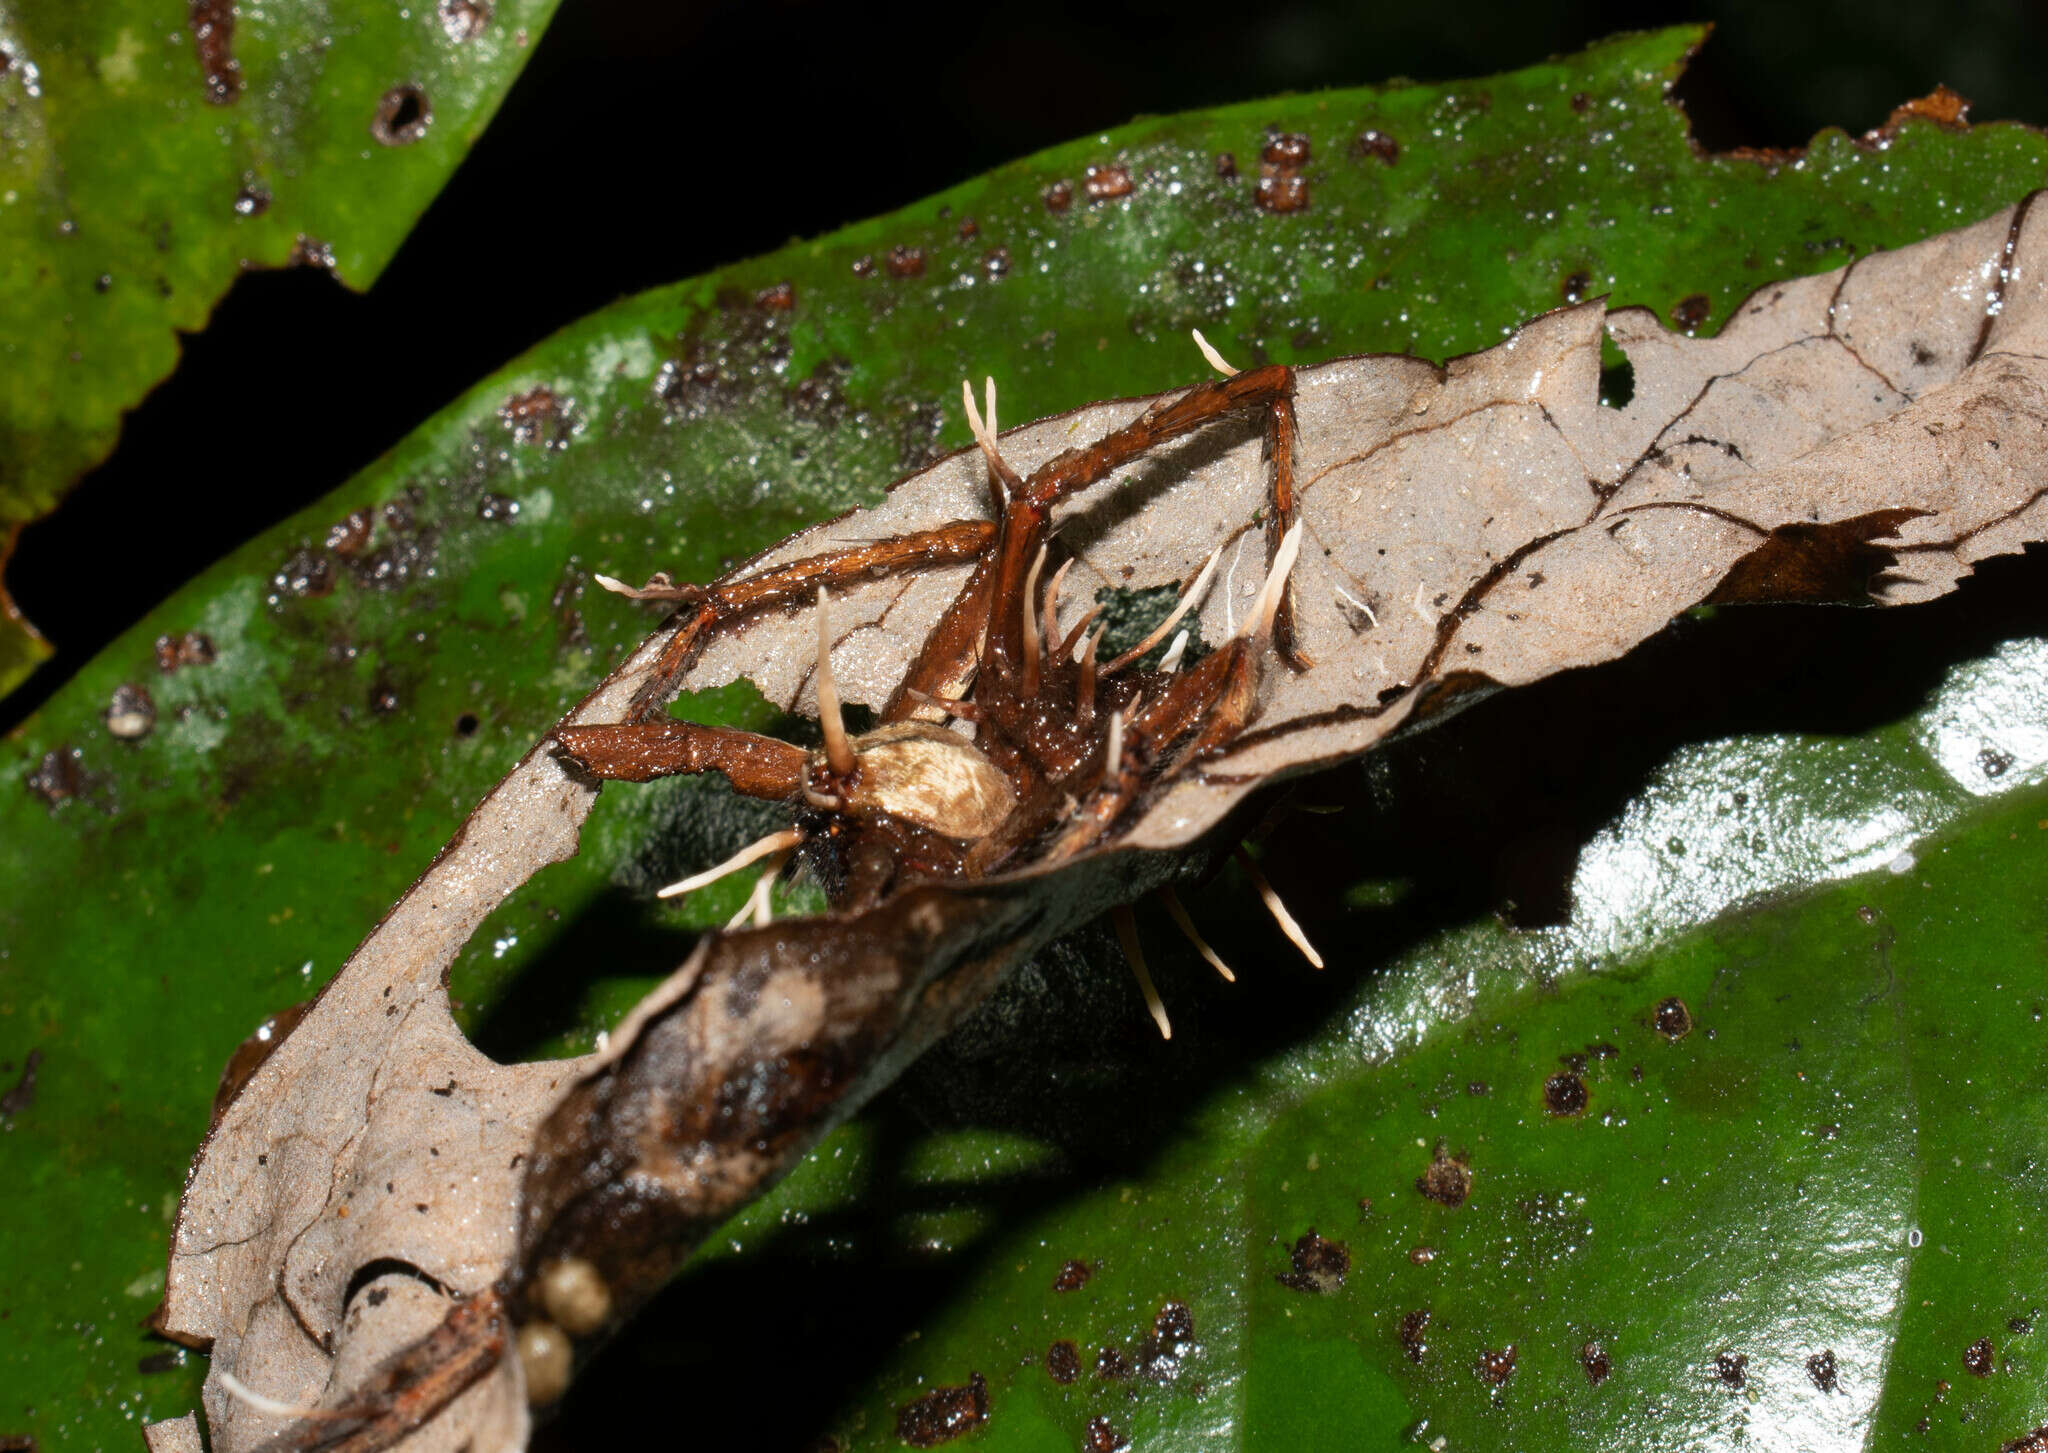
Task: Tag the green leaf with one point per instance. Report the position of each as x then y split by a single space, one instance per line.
370 667
152 154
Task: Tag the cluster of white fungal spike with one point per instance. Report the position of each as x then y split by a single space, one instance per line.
1041 633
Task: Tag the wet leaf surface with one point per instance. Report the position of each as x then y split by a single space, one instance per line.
151 154
362 681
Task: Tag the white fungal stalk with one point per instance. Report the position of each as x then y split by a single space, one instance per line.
1127 935
1278 909
1189 599
775 842
838 749
1209 352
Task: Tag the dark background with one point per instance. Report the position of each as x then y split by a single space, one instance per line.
863 108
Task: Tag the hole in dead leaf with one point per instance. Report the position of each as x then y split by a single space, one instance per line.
384 1266
1617 376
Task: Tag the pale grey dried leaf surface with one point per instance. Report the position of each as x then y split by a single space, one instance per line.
1485 524
1492 522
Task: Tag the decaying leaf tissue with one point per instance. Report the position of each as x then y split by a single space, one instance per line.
387 1239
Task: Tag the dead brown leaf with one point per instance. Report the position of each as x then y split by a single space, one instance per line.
1866 435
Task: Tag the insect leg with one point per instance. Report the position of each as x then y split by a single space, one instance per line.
758 766
709 609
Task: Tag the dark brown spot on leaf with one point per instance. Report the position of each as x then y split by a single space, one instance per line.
306 572
1063 1361
1691 312
1447 1181
996 261
1421 1255
1073 1276
496 509
906 262
1059 196
190 649
1731 1370
402 117
2034 1442
1565 1094
1226 164
1414 1334
57 777
780 298
1319 1265
1573 288
1496 1365
1111 1363
1980 1358
1673 1019
944 1413
1821 1368
23 1095
538 417
1598 1365
311 252
1102 1437
213 36
1376 143
1173 1337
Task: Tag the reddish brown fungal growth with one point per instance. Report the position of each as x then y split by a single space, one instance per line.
1106 183
1941 106
1226 164
58 777
1413 1334
1317 1264
538 417
1673 1019
905 262
194 648
1072 1276
1059 196
1101 1436
1598 1366
1377 144
1063 1361
213 37
1692 311
1565 1095
1448 1181
944 1413
1496 1365
1980 1358
779 298
1282 188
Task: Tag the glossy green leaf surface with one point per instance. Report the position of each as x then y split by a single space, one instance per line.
341 691
150 154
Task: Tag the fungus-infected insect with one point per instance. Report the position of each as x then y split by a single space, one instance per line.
1008 741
